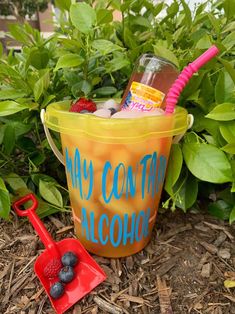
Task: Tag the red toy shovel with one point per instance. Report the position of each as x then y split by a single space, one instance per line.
88 274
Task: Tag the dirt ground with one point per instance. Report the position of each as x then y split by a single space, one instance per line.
182 270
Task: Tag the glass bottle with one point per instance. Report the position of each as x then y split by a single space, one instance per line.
149 83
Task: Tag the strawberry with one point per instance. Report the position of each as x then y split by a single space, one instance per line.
83 104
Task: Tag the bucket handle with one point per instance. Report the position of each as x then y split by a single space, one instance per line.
60 156
50 140
190 120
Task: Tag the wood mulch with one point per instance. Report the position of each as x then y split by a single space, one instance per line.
182 270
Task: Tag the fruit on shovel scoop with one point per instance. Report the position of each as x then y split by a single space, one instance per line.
65 269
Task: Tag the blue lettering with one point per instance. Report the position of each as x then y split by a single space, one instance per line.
88 173
127 234
116 181
144 163
84 223
137 237
152 174
100 229
92 227
107 166
77 164
69 166
119 230
131 182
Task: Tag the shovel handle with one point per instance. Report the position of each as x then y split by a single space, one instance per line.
35 221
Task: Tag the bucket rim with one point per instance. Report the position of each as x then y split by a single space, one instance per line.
61 108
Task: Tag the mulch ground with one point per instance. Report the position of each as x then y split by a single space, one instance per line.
182 270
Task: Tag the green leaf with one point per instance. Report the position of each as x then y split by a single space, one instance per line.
232 162
229 148
222 112
116 64
207 162
227 130
220 209
214 22
204 42
129 40
15 182
44 209
83 17
174 168
140 20
2 132
105 91
18 33
229 8
158 8
26 144
9 139
50 193
229 41
173 9
4 200
63 4
11 93
229 27
187 12
37 158
161 51
36 177
105 46
232 216
187 195
224 89
41 85
1 50
9 107
68 61
38 59
83 86
229 67
104 16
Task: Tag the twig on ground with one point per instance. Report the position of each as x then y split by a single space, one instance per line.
164 297
106 306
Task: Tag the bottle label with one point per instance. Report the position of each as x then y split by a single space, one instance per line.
142 97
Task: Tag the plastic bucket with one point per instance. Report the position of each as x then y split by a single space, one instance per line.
115 171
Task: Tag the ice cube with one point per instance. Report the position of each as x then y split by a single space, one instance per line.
127 114
155 112
102 113
111 103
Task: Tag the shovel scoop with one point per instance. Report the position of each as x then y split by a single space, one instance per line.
88 273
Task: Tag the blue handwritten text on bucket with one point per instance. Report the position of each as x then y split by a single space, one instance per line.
81 172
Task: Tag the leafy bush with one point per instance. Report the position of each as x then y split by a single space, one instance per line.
92 55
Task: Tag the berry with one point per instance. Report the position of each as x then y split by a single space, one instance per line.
83 104
52 268
56 290
66 274
84 111
113 110
69 259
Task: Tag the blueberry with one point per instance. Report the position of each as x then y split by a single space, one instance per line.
66 274
84 111
56 290
69 259
113 111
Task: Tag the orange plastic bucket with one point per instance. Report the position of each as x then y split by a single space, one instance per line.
115 172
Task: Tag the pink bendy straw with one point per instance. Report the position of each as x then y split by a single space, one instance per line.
184 77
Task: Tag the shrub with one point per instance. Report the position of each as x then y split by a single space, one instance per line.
92 55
